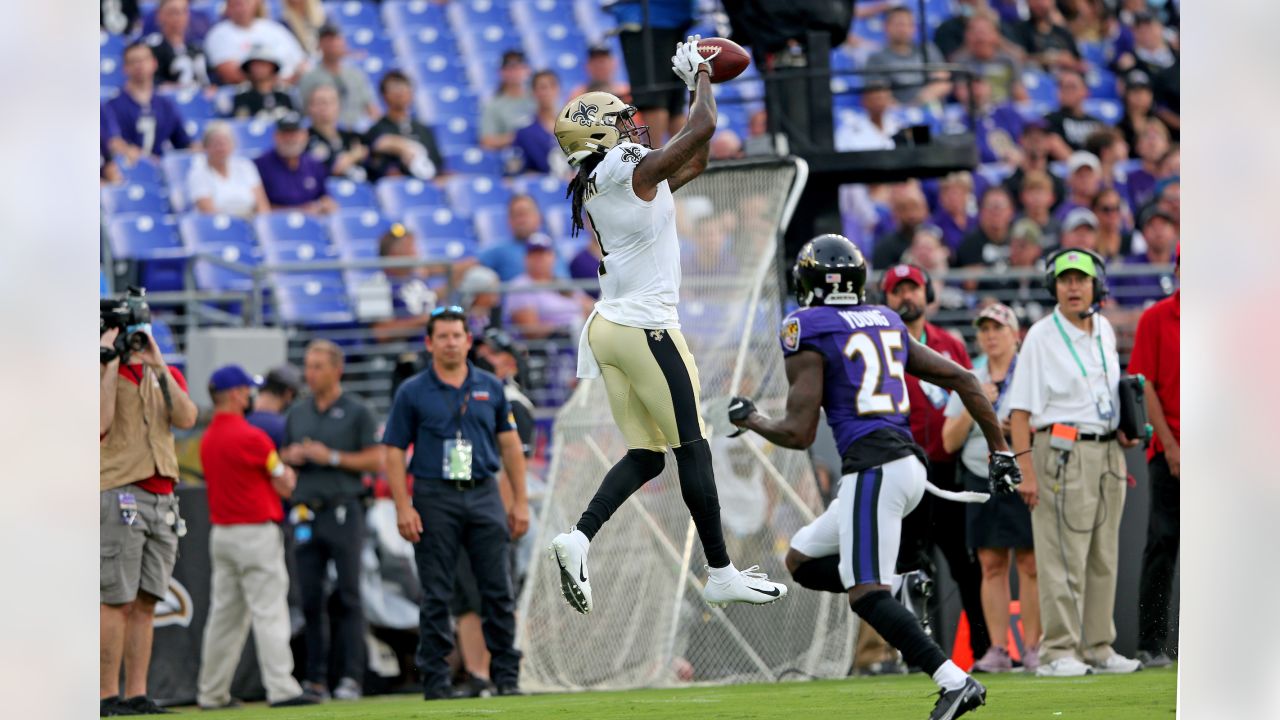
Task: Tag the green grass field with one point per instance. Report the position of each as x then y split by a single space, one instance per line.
1147 694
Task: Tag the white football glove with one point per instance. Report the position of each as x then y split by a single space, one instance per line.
687 60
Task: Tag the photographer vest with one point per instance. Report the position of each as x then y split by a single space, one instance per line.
140 442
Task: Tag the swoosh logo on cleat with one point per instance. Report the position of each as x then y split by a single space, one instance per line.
582 575
771 593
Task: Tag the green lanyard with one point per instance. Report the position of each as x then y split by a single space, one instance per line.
1071 346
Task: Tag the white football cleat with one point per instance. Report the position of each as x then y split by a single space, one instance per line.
570 553
1117 664
746 586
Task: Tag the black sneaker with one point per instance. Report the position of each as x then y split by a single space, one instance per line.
444 692
143 705
954 703
504 690
473 688
306 697
1154 661
114 707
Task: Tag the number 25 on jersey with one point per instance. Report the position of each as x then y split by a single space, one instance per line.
876 350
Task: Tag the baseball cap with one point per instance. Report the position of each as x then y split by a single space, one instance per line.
511 57
1037 124
289 122
598 50
479 279
1082 158
539 241
1152 212
1136 79
231 376
1074 260
329 30
1027 229
999 312
901 273
285 376
1079 216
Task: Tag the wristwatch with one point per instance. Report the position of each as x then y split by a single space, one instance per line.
333 458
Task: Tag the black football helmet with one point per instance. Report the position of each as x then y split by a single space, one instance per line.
830 270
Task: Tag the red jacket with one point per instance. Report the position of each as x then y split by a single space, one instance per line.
1155 355
929 402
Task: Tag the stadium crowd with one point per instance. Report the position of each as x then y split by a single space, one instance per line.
270 131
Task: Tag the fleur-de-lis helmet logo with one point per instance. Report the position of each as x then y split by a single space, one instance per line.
584 112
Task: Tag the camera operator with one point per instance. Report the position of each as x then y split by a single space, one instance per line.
139 524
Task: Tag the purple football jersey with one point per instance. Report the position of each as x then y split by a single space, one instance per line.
864 352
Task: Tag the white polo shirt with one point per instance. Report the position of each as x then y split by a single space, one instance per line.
1049 384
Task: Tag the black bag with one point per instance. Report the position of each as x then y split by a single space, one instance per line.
1133 408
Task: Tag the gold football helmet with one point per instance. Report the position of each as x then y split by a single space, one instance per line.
595 122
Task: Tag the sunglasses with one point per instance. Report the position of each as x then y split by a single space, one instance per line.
1108 208
447 309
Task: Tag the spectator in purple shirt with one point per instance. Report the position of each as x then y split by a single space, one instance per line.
996 127
294 180
586 264
954 218
147 121
1153 144
544 313
535 142
1112 152
1084 180
1160 230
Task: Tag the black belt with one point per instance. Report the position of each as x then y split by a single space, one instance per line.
318 505
464 485
1088 437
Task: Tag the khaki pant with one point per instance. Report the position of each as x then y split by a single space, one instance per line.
652 383
1076 527
250 587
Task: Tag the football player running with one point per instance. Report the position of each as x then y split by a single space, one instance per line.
851 358
633 338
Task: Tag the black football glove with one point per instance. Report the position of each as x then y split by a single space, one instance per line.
1003 474
740 408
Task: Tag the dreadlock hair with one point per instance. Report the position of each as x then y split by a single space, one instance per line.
578 188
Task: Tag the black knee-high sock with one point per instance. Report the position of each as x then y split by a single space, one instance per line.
821 574
698 487
635 469
900 629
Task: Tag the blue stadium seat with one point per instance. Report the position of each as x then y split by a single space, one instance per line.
569 65
375 66
363 41
426 222
290 227
472 160
413 14
203 230
476 13
105 93
542 13
350 228
446 248
545 190
437 69
299 252
226 237
428 40
312 299
154 242
1102 84
558 219
145 171
1093 52
446 101
110 72
1041 87
492 226
351 194
134 198
176 164
467 193
871 29
163 335
253 137
109 45
192 104
456 134
1108 111
349 14
398 194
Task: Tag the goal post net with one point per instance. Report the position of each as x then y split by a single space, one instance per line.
649 626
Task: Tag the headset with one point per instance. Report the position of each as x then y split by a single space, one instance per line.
929 294
1100 291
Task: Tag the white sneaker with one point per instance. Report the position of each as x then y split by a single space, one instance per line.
348 689
1063 667
570 553
1117 664
747 586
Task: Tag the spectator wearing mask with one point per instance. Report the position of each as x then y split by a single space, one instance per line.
999 529
1084 181
988 245
139 524
244 27
250 585
262 99
874 129
602 75
223 182
934 523
1037 204
901 58
304 18
1070 122
537 144
1156 356
544 313
1067 383
277 393
291 178
511 107
910 209
331 440
953 218
1044 38
507 258
341 150
398 144
179 58
1080 230
983 54
355 96
1037 145
1114 239
1138 108
455 501
148 122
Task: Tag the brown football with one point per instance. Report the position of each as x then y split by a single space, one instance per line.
731 61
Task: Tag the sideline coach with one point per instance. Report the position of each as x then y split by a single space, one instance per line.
459 421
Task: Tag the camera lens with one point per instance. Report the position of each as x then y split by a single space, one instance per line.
138 341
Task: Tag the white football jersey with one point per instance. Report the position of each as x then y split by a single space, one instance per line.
640 273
